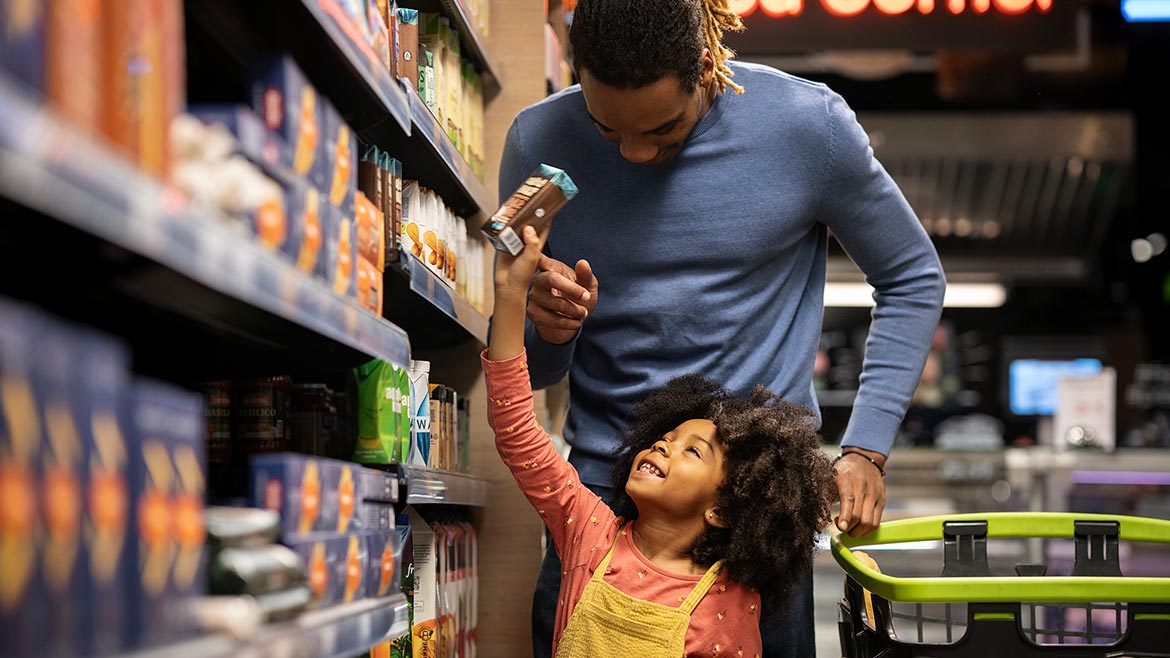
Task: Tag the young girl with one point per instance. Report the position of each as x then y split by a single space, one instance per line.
722 499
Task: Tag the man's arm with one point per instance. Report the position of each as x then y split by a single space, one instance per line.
875 225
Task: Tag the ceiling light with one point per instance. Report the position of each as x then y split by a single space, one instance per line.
1157 243
1142 250
959 295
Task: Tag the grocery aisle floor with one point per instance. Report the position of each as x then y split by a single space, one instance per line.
828 579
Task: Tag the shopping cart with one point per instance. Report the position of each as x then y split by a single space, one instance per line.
968 612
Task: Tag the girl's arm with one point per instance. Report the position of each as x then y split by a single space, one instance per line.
546 479
513 277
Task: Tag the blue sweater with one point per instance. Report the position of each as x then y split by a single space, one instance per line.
714 263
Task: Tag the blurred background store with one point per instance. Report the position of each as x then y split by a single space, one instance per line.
1029 138
202 205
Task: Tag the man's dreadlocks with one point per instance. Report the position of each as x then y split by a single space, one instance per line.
632 43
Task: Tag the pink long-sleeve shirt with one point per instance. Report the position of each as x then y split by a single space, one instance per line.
726 621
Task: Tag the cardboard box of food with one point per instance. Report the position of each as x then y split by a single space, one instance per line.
534 203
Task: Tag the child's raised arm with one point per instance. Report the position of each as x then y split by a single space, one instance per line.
513 277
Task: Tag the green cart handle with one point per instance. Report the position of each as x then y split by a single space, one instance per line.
1006 589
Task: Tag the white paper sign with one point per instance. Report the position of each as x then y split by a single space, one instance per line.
1086 411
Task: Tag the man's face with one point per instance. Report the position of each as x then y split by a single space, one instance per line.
649 124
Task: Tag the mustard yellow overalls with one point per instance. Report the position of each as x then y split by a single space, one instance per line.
608 623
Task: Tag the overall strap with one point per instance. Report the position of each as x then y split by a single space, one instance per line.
697 594
599 572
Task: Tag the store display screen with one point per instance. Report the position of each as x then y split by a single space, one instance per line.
1032 383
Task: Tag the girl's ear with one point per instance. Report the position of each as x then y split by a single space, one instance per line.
712 517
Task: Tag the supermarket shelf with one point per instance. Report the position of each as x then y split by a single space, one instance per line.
56 169
331 17
429 486
382 110
473 43
427 126
336 632
427 285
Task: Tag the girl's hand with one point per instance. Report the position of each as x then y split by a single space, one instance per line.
514 273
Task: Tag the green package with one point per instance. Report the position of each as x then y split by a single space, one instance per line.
379 411
426 77
403 430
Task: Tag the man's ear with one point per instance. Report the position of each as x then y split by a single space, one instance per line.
706 67
712 517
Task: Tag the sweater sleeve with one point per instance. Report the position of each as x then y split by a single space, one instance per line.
548 481
549 362
874 223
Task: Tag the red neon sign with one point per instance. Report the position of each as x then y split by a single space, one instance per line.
846 8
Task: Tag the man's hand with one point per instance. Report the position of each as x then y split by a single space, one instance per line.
561 298
863 494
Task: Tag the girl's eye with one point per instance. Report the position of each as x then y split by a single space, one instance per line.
696 451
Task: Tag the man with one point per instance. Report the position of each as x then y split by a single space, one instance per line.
698 245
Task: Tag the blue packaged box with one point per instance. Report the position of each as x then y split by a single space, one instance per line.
326 268
379 485
25 615
337 567
374 516
303 206
22 40
342 268
385 551
263 147
339 156
102 380
314 496
291 107
167 475
63 576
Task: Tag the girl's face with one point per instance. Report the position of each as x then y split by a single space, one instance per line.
680 473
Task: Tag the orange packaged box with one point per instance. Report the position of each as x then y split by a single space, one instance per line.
144 77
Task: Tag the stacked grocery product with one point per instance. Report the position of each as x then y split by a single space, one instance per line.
287 169
107 538
434 235
450 87
338 518
102 477
423 49
404 418
441 581
116 68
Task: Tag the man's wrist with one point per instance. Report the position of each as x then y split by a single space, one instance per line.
877 457
557 337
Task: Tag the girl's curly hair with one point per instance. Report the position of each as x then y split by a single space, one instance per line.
778 485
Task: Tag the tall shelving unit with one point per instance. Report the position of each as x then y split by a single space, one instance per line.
90 238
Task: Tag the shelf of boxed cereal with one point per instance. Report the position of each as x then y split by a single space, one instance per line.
58 169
